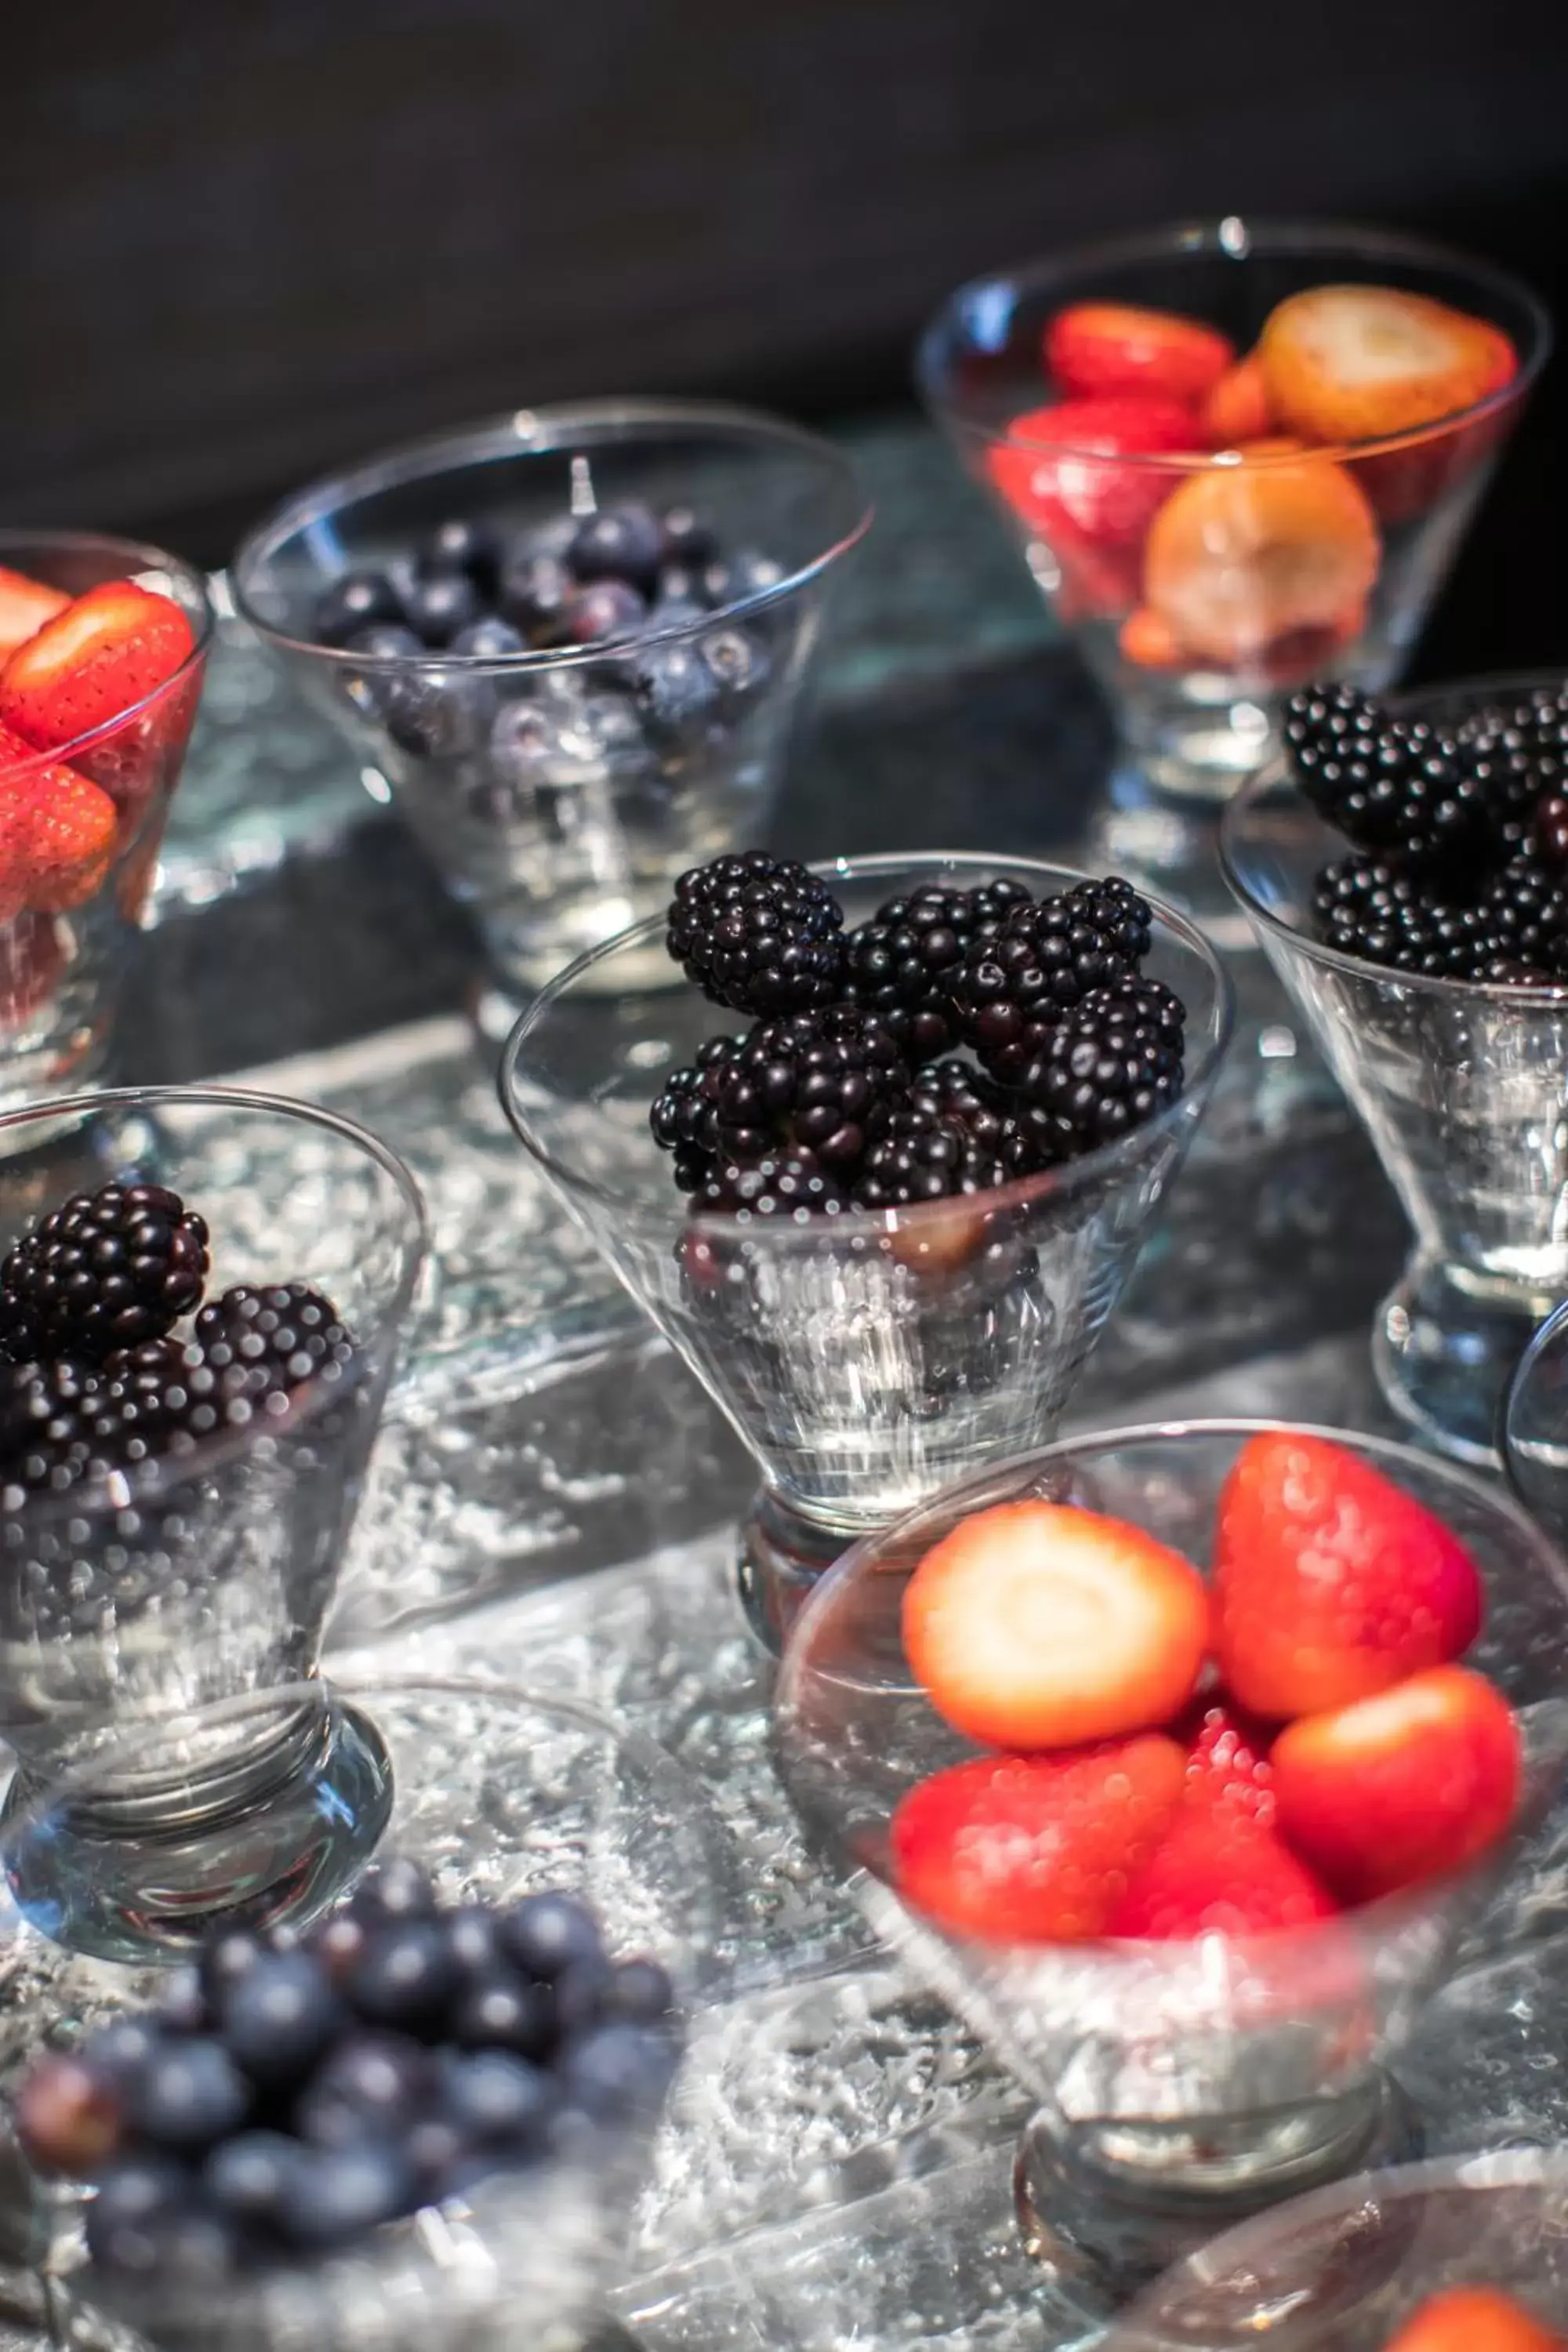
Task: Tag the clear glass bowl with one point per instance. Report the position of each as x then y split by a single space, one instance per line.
207 1574
867 1359
62 967
497 1791
1273 537
554 804
1346 2267
1535 1426
1178 2084
1463 1089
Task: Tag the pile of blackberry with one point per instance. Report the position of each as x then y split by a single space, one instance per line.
95 1377
850 1091
287 2095
1458 864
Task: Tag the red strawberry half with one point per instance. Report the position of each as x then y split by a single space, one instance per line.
102 654
25 605
1330 1582
1064 472
1474 2319
1022 1849
1219 1872
57 831
1227 1762
1036 1624
1116 347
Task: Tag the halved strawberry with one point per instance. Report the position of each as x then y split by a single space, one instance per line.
1115 347
25 605
1474 2319
98 657
1034 1850
1330 1582
1219 1871
1036 1624
1356 362
1236 408
1228 1761
1059 473
57 831
1402 1787
1242 555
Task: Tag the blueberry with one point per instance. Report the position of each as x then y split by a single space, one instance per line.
387 641
372 2085
435 2148
491 640
681 583
181 2003
674 613
640 1992
582 1991
744 573
180 2246
435 714
132 2200
398 1889
247 2178
226 1958
600 614
616 2070
534 593
440 603
737 660
119 2051
493 2097
609 731
279 2017
188 2094
461 546
337 2194
527 752
542 1932
406 1976
69 2116
353 602
618 543
502 2012
470 1931
675 686
689 537
338 1942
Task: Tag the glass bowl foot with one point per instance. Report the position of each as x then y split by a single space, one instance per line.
1104 2210
1444 1350
779 1557
269 1825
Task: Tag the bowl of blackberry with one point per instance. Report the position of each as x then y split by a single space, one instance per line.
879 1169
568 643
1407 878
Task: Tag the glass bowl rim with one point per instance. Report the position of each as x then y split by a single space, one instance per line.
918 1217
542 430
1213 235
1545 996
168 1473
1498 1499
142 556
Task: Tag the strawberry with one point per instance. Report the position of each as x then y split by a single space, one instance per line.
1330 1582
1242 555
1357 362
1227 1762
57 831
1219 1871
1058 473
1397 1788
1474 2319
105 653
1033 1849
25 605
1236 408
1039 1625
1114 347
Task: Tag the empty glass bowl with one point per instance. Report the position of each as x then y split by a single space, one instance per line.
1463 1087
1179 2083
867 1359
560 788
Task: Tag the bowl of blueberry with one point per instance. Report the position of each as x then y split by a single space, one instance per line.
568 643
1407 878
408 2116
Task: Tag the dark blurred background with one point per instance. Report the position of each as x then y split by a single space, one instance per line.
242 241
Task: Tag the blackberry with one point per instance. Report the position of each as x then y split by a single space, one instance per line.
1373 910
683 1115
758 934
819 1083
276 1338
924 1156
1390 785
1011 993
898 965
1517 754
46 1415
1110 1065
1525 910
105 1270
784 1191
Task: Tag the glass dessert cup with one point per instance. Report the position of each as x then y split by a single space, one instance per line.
1347 2266
1282 564
1179 2085
867 1359
1534 1435
200 1575
1462 1086
553 805
63 963
497 1791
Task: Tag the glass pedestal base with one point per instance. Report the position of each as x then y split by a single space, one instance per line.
1444 1350
779 1558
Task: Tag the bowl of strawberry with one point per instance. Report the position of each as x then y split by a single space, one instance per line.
1407 878
568 643
1176 1759
1237 454
102 644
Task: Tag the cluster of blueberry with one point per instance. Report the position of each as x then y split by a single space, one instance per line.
650 590
285 2096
